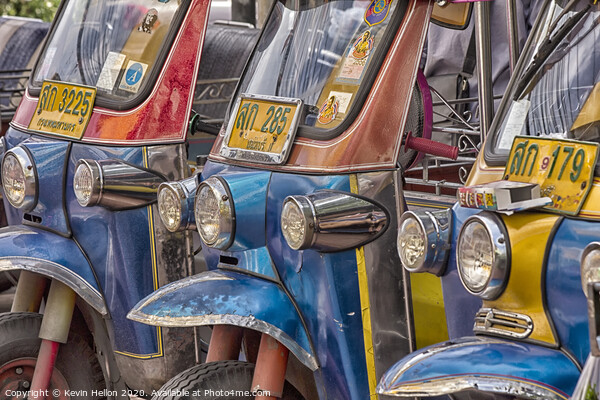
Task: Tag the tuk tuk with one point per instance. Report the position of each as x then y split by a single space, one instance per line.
524 239
103 121
297 207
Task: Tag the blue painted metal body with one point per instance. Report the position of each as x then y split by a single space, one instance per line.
496 359
110 252
322 287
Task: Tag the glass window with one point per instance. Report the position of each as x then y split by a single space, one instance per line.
110 44
558 94
320 52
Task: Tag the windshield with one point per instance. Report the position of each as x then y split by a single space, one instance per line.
320 52
558 94
109 44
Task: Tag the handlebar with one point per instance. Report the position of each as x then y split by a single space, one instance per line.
430 147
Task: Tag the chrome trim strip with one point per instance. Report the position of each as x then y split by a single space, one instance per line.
249 322
481 383
487 320
59 272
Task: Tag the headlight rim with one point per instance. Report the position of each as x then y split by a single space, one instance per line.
176 188
29 169
310 223
586 251
97 182
501 264
437 239
225 238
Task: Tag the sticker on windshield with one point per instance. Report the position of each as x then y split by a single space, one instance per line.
514 123
329 110
377 12
132 79
356 60
149 21
363 45
343 100
110 71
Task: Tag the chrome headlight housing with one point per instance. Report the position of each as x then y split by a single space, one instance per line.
482 256
174 205
87 183
215 213
330 220
298 222
590 266
19 179
423 240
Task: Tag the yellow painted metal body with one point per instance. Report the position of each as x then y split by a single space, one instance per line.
428 309
528 234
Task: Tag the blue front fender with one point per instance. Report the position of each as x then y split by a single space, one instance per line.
228 298
484 364
46 253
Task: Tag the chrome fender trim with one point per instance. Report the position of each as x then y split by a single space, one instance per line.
228 298
484 364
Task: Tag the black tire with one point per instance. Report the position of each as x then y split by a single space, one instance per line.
76 362
218 380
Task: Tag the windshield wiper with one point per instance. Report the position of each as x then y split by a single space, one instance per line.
526 81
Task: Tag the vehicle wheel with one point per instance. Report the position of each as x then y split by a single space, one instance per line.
218 380
76 368
8 280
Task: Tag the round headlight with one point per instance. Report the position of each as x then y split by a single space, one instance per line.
214 213
87 183
297 222
481 256
169 207
412 243
19 179
590 266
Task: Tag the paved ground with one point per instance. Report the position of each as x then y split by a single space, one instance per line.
6 300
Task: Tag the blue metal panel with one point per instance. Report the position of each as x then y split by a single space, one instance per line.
49 157
120 246
25 247
249 193
325 287
460 305
484 358
565 299
228 298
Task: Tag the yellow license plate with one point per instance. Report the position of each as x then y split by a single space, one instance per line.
564 169
63 109
262 126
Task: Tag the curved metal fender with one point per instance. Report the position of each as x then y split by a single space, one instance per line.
228 298
485 364
51 255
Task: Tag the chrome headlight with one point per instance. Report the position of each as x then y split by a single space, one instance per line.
19 179
87 183
481 256
297 222
215 213
423 240
174 204
329 220
590 266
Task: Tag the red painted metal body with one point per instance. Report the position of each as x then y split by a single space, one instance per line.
163 116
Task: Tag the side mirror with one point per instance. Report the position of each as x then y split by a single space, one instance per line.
452 15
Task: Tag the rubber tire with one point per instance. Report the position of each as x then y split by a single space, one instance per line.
215 376
76 360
